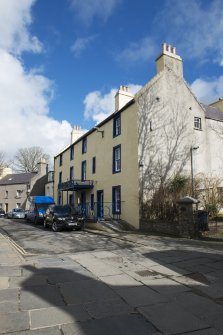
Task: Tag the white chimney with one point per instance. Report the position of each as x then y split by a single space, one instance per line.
4 171
76 133
122 97
42 167
170 59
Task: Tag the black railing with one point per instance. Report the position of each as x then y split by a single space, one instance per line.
98 211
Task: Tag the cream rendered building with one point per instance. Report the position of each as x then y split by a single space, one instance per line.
149 138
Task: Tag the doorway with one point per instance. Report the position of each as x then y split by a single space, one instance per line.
100 204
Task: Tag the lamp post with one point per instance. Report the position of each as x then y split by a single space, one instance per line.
141 165
192 149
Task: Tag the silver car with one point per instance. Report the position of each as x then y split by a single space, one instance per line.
16 213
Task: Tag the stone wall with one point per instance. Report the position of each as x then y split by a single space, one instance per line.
187 224
160 227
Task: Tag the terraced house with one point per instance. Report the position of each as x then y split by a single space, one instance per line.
151 136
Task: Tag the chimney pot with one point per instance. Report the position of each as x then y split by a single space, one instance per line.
164 47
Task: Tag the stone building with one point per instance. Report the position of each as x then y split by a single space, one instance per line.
15 188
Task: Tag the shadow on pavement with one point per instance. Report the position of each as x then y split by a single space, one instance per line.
79 302
180 292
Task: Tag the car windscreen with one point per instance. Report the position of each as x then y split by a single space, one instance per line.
42 206
61 210
18 210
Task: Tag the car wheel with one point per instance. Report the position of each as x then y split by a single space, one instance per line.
35 221
55 227
45 224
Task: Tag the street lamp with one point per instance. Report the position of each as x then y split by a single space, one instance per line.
192 149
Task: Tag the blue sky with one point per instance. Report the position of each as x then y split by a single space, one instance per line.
62 61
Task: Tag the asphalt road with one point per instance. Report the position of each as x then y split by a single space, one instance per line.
35 239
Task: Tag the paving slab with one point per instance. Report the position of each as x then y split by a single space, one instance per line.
209 331
70 276
86 291
170 318
43 331
9 295
141 296
120 280
14 322
120 325
9 307
102 254
214 291
98 310
34 297
165 286
169 270
26 281
98 267
55 316
10 271
202 307
4 283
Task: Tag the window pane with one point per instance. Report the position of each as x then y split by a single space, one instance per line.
116 196
197 123
117 126
117 159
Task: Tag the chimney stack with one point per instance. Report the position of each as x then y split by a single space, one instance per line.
170 59
122 97
76 133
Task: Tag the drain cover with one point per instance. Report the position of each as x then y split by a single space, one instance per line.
145 273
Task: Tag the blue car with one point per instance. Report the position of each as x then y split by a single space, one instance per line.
38 207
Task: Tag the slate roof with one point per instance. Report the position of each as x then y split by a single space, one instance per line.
17 178
212 113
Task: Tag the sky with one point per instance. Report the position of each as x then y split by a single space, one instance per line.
61 61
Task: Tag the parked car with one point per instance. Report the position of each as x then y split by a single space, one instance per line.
16 213
38 207
2 213
60 217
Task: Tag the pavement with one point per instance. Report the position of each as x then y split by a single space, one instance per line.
165 286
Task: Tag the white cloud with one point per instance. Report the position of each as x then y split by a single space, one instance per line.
24 108
141 50
88 9
208 91
24 95
15 17
99 106
81 44
196 28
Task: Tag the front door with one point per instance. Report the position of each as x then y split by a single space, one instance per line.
100 204
83 203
